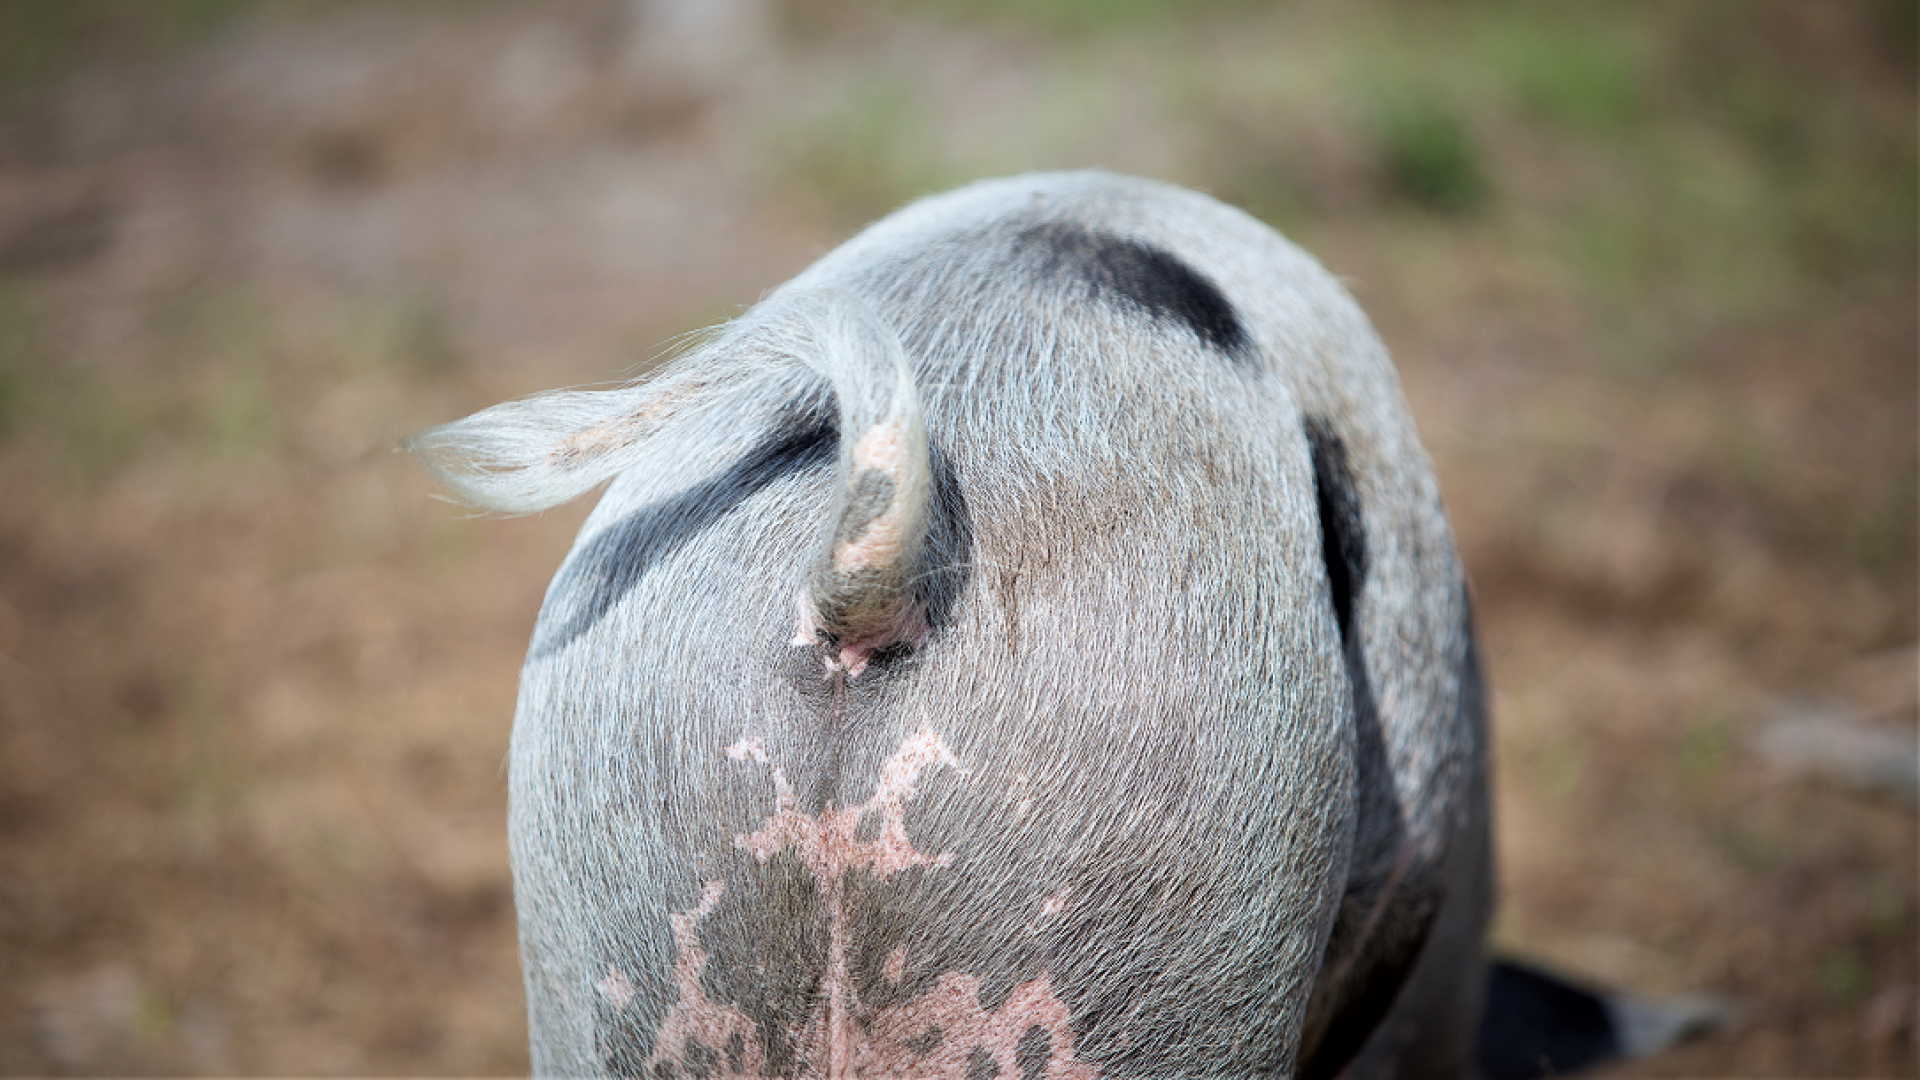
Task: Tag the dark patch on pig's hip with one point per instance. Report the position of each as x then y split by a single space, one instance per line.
1145 277
1378 986
1343 534
1368 961
610 565
1375 960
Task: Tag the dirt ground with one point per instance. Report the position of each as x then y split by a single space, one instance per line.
1649 272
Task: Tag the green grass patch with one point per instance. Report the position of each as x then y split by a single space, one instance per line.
1053 18
18 346
404 337
1747 449
1880 533
239 416
1427 151
101 428
1611 251
43 39
1559 768
92 421
223 358
864 152
205 783
1843 977
1071 16
1706 746
1575 73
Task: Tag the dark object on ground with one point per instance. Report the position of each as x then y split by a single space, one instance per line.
1539 1025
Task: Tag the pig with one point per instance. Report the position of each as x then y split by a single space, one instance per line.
1028 643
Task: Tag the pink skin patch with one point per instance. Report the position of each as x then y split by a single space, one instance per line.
615 987
953 1006
695 1019
850 1040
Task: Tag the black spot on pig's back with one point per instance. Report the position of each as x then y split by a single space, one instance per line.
1142 276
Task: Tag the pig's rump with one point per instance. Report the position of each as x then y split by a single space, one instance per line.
1026 644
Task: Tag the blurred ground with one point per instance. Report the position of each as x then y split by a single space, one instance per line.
1648 269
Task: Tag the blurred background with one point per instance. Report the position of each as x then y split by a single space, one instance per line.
1648 269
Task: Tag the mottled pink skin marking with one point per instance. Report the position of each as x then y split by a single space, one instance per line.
694 1018
846 1038
750 748
953 1006
900 775
615 987
826 843
1025 805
